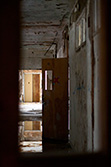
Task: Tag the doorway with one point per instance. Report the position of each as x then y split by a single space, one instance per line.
39 121
30 111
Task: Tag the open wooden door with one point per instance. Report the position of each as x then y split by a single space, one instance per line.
55 99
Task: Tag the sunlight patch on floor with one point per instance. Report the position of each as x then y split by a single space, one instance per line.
30 106
30 146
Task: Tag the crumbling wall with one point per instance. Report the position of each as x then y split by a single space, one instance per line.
31 58
78 69
87 65
62 44
80 88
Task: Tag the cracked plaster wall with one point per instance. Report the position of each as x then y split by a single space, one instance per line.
80 92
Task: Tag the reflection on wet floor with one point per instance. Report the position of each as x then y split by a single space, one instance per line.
30 132
30 127
30 146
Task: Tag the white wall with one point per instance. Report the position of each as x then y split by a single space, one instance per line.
88 97
81 104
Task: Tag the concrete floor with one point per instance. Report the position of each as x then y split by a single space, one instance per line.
30 107
30 111
39 146
30 146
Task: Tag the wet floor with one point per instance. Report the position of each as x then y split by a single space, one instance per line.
38 147
32 106
30 146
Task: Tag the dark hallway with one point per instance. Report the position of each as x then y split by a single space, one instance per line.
62 48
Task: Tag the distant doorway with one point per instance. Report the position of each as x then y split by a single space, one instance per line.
30 111
30 85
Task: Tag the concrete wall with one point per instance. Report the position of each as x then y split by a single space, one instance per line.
96 96
78 69
84 78
80 88
89 83
62 44
100 76
31 58
88 97
62 51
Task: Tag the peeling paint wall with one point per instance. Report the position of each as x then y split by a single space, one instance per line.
42 23
80 96
31 59
78 68
62 49
87 100
84 64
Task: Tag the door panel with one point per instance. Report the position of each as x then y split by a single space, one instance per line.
36 87
28 87
48 102
55 100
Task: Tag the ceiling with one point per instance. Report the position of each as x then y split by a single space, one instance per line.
42 23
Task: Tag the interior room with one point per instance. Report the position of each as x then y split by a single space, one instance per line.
64 46
55 83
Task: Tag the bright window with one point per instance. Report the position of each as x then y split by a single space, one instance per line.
80 31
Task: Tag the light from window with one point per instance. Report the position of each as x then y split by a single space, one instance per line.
80 31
